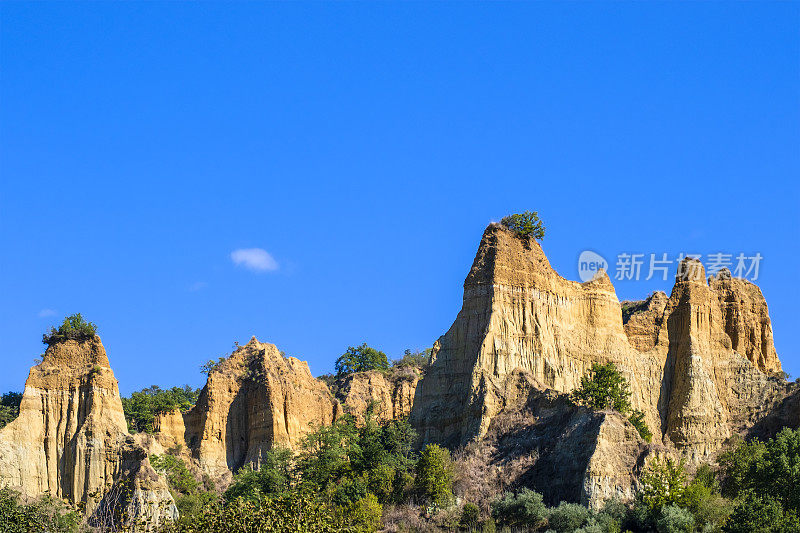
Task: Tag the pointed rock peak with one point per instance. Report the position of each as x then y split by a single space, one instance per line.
692 270
600 281
506 258
253 341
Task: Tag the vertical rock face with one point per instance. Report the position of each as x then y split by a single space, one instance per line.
390 394
71 438
254 400
698 362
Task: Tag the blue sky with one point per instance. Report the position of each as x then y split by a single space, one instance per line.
363 148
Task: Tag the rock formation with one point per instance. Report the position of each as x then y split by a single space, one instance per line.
391 393
699 362
254 400
71 439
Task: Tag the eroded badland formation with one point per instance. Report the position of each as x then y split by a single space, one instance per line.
700 362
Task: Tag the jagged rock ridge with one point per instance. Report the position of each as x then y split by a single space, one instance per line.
699 362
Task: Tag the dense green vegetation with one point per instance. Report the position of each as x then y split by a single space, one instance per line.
361 359
525 224
604 387
74 327
141 407
44 514
9 407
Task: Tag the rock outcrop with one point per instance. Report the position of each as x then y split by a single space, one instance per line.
70 439
254 400
390 394
699 363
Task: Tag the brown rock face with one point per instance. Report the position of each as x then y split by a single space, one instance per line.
71 439
391 394
695 383
254 400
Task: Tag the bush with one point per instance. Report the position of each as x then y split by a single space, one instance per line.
361 359
674 519
209 366
637 419
9 407
142 406
604 387
663 483
470 514
178 476
363 514
568 517
414 359
74 327
761 513
524 509
45 514
273 478
525 224
434 479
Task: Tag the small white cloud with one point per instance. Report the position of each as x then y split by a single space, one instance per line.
255 259
46 312
197 286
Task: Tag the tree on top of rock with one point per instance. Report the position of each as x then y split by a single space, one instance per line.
604 387
361 359
525 224
74 327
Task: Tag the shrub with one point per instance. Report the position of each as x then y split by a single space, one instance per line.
178 476
361 359
414 359
568 517
434 477
470 515
763 513
674 519
209 366
525 224
44 514
74 327
364 514
273 478
524 509
604 387
663 483
637 419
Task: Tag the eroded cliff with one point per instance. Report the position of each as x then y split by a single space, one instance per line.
70 439
694 381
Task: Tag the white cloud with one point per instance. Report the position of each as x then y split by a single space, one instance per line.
46 312
255 259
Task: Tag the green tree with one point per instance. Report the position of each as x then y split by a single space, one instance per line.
434 474
361 359
44 514
637 419
525 224
142 406
273 478
74 327
523 509
9 407
663 483
604 387
568 517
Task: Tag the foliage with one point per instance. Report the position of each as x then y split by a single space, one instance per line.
142 406
292 512
74 327
568 517
604 387
45 514
209 366
361 359
674 519
524 509
470 515
9 407
272 479
637 419
770 468
435 474
363 514
762 513
663 483
178 476
414 359
525 224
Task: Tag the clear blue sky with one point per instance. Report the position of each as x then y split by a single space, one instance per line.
364 147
